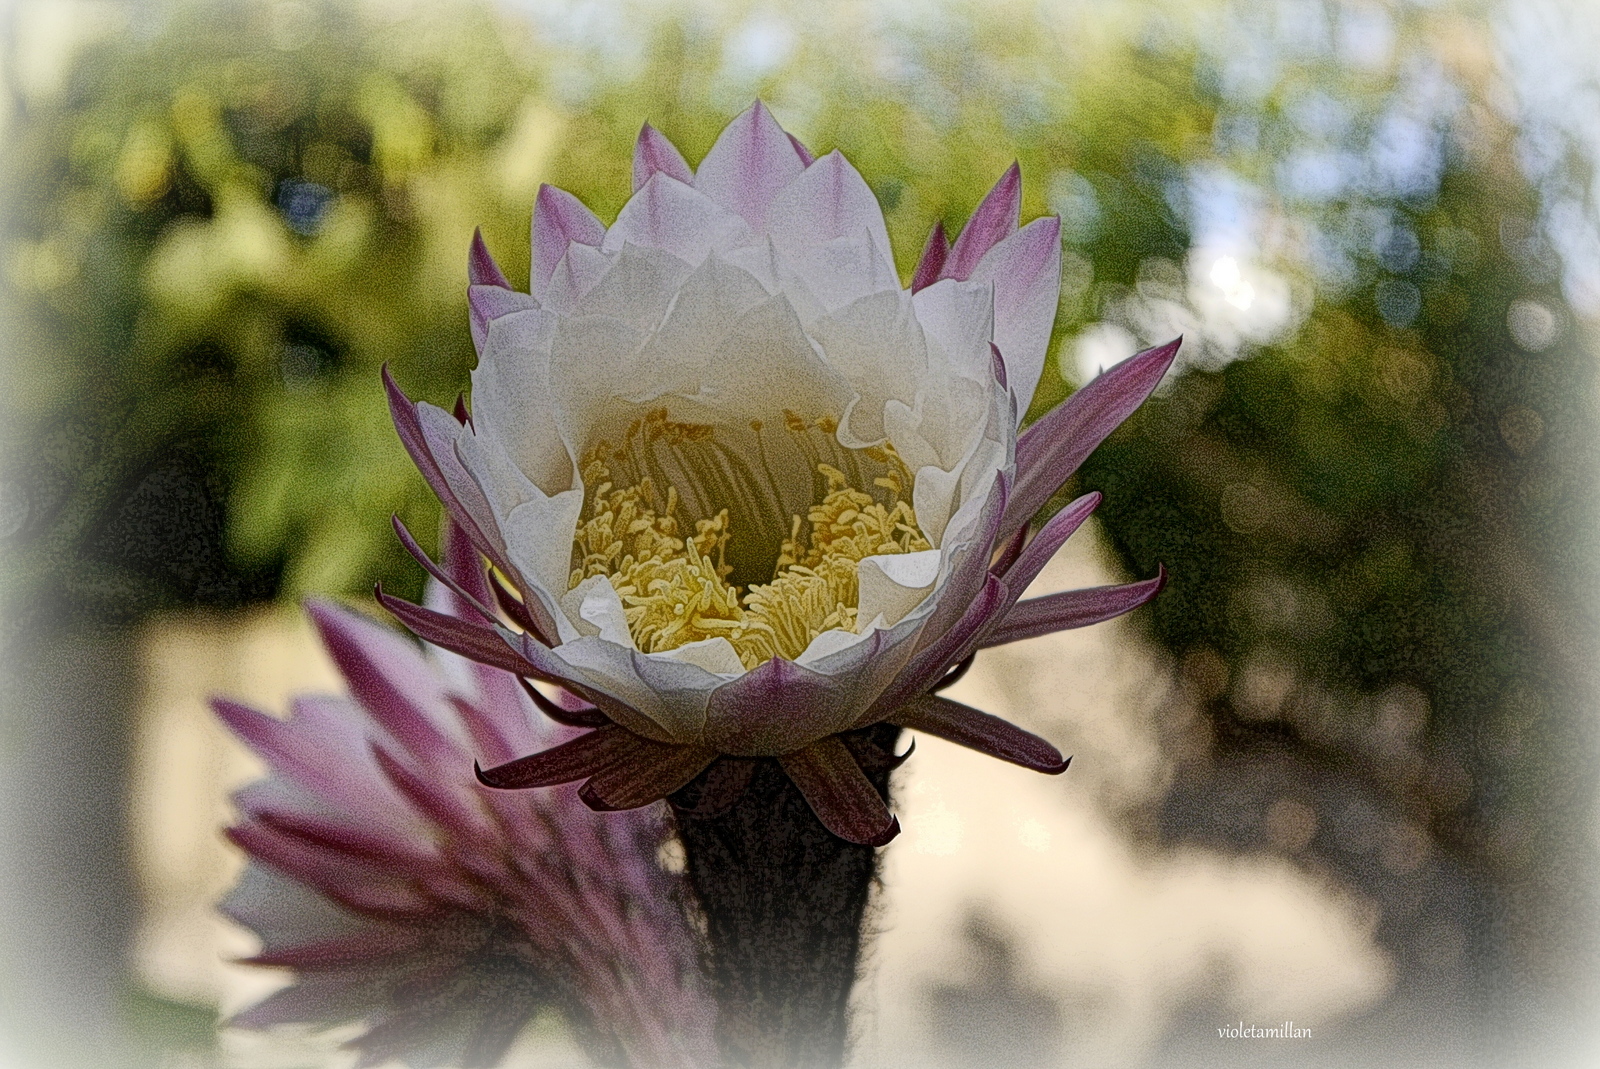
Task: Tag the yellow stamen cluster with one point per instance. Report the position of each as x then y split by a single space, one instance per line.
675 590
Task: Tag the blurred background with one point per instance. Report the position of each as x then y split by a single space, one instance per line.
1341 772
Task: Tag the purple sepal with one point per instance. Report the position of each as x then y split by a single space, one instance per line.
1051 537
934 254
481 268
840 794
994 220
466 600
474 642
1072 608
980 731
586 755
631 785
1051 450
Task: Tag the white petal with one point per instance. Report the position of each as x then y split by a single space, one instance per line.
638 289
958 318
579 270
715 655
711 303
666 214
539 539
832 641
674 696
838 272
934 497
877 344
593 361
594 608
511 402
892 584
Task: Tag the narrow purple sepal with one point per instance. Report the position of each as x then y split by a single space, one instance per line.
467 601
1072 608
481 268
1051 537
934 254
840 794
586 716
977 730
1053 448
474 642
994 220
654 153
586 755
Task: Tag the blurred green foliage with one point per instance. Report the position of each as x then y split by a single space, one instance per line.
1377 514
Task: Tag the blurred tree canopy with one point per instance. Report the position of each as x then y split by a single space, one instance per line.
1371 481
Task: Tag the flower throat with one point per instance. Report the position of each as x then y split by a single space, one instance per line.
752 571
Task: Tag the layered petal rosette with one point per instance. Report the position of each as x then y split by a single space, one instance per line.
440 914
744 490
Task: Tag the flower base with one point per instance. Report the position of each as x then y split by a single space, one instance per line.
783 900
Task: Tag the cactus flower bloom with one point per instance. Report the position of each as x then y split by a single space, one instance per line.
746 492
441 914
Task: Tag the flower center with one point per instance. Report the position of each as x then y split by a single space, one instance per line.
641 499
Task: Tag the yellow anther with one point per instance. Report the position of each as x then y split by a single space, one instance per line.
674 589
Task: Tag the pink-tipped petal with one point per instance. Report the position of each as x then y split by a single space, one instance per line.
829 201
1052 448
994 220
979 731
840 794
752 159
559 219
488 303
631 785
586 755
654 153
667 214
934 254
1025 273
481 268
1072 608
387 675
